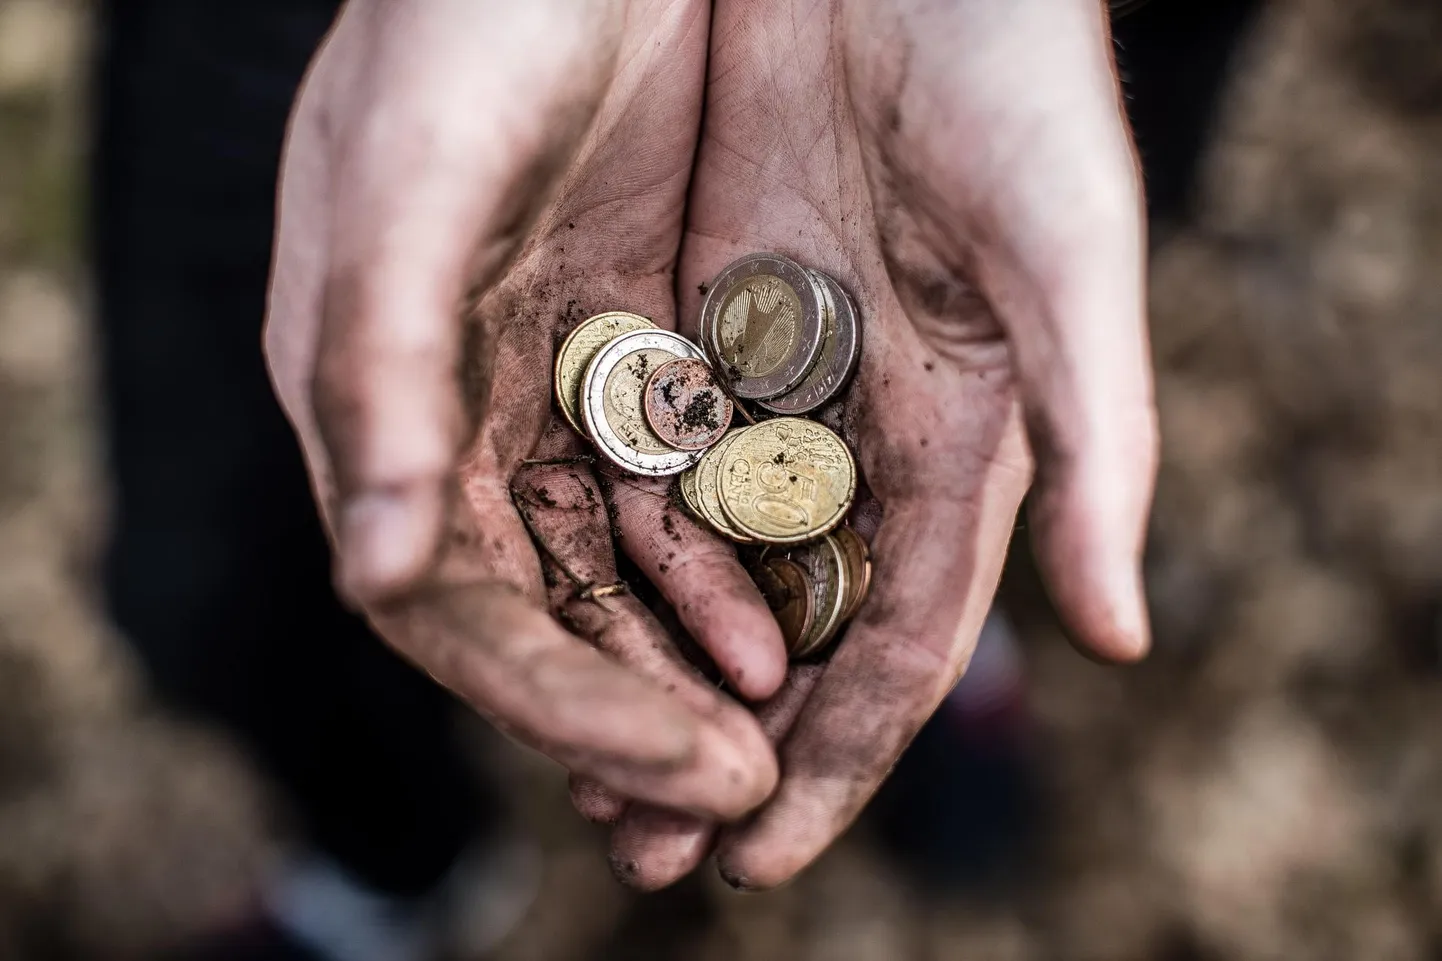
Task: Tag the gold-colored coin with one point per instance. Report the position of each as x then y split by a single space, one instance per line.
858 568
689 496
786 480
787 591
708 495
826 572
577 351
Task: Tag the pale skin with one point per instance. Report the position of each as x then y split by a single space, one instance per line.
464 181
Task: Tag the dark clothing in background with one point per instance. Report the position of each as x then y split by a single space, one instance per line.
218 572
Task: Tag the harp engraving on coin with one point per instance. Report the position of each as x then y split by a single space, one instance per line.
759 326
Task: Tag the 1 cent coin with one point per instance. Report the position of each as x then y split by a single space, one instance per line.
685 406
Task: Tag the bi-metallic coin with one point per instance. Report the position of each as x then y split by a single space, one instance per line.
840 350
613 393
762 323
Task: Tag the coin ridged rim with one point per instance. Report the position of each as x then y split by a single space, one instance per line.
857 554
810 325
829 552
711 461
726 412
833 368
770 566
843 503
572 411
593 387
687 483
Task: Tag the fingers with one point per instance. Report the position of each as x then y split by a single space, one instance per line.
1072 300
563 509
515 665
594 802
652 848
698 573
440 154
909 644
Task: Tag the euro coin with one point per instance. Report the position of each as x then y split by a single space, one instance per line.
613 390
708 494
788 593
579 349
687 483
858 568
840 350
826 572
762 324
786 480
685 407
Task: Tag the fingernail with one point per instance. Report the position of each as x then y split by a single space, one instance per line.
736 880
624 869
384 543
1132 623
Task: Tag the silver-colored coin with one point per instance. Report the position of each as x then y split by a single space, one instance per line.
840 351
613 404
825 568
762 324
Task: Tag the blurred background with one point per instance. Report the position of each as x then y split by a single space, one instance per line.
1268 785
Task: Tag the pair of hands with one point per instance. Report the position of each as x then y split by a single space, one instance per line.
464 181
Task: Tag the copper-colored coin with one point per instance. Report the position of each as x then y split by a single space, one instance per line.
858 568
789 595
685 406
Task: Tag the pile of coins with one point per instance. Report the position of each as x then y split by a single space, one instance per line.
814 589
787 338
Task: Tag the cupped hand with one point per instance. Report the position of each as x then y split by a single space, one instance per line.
965 170
463 183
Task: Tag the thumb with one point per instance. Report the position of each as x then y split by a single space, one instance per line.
1067 280
435 135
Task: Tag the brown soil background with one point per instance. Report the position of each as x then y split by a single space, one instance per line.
1268 786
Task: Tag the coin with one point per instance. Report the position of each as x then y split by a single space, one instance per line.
613 410
579 349
786 480
840 350
708 495
687 483
858 568
788 593
826 572
762 324
685 407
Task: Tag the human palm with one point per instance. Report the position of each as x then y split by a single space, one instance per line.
415 192
964 169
